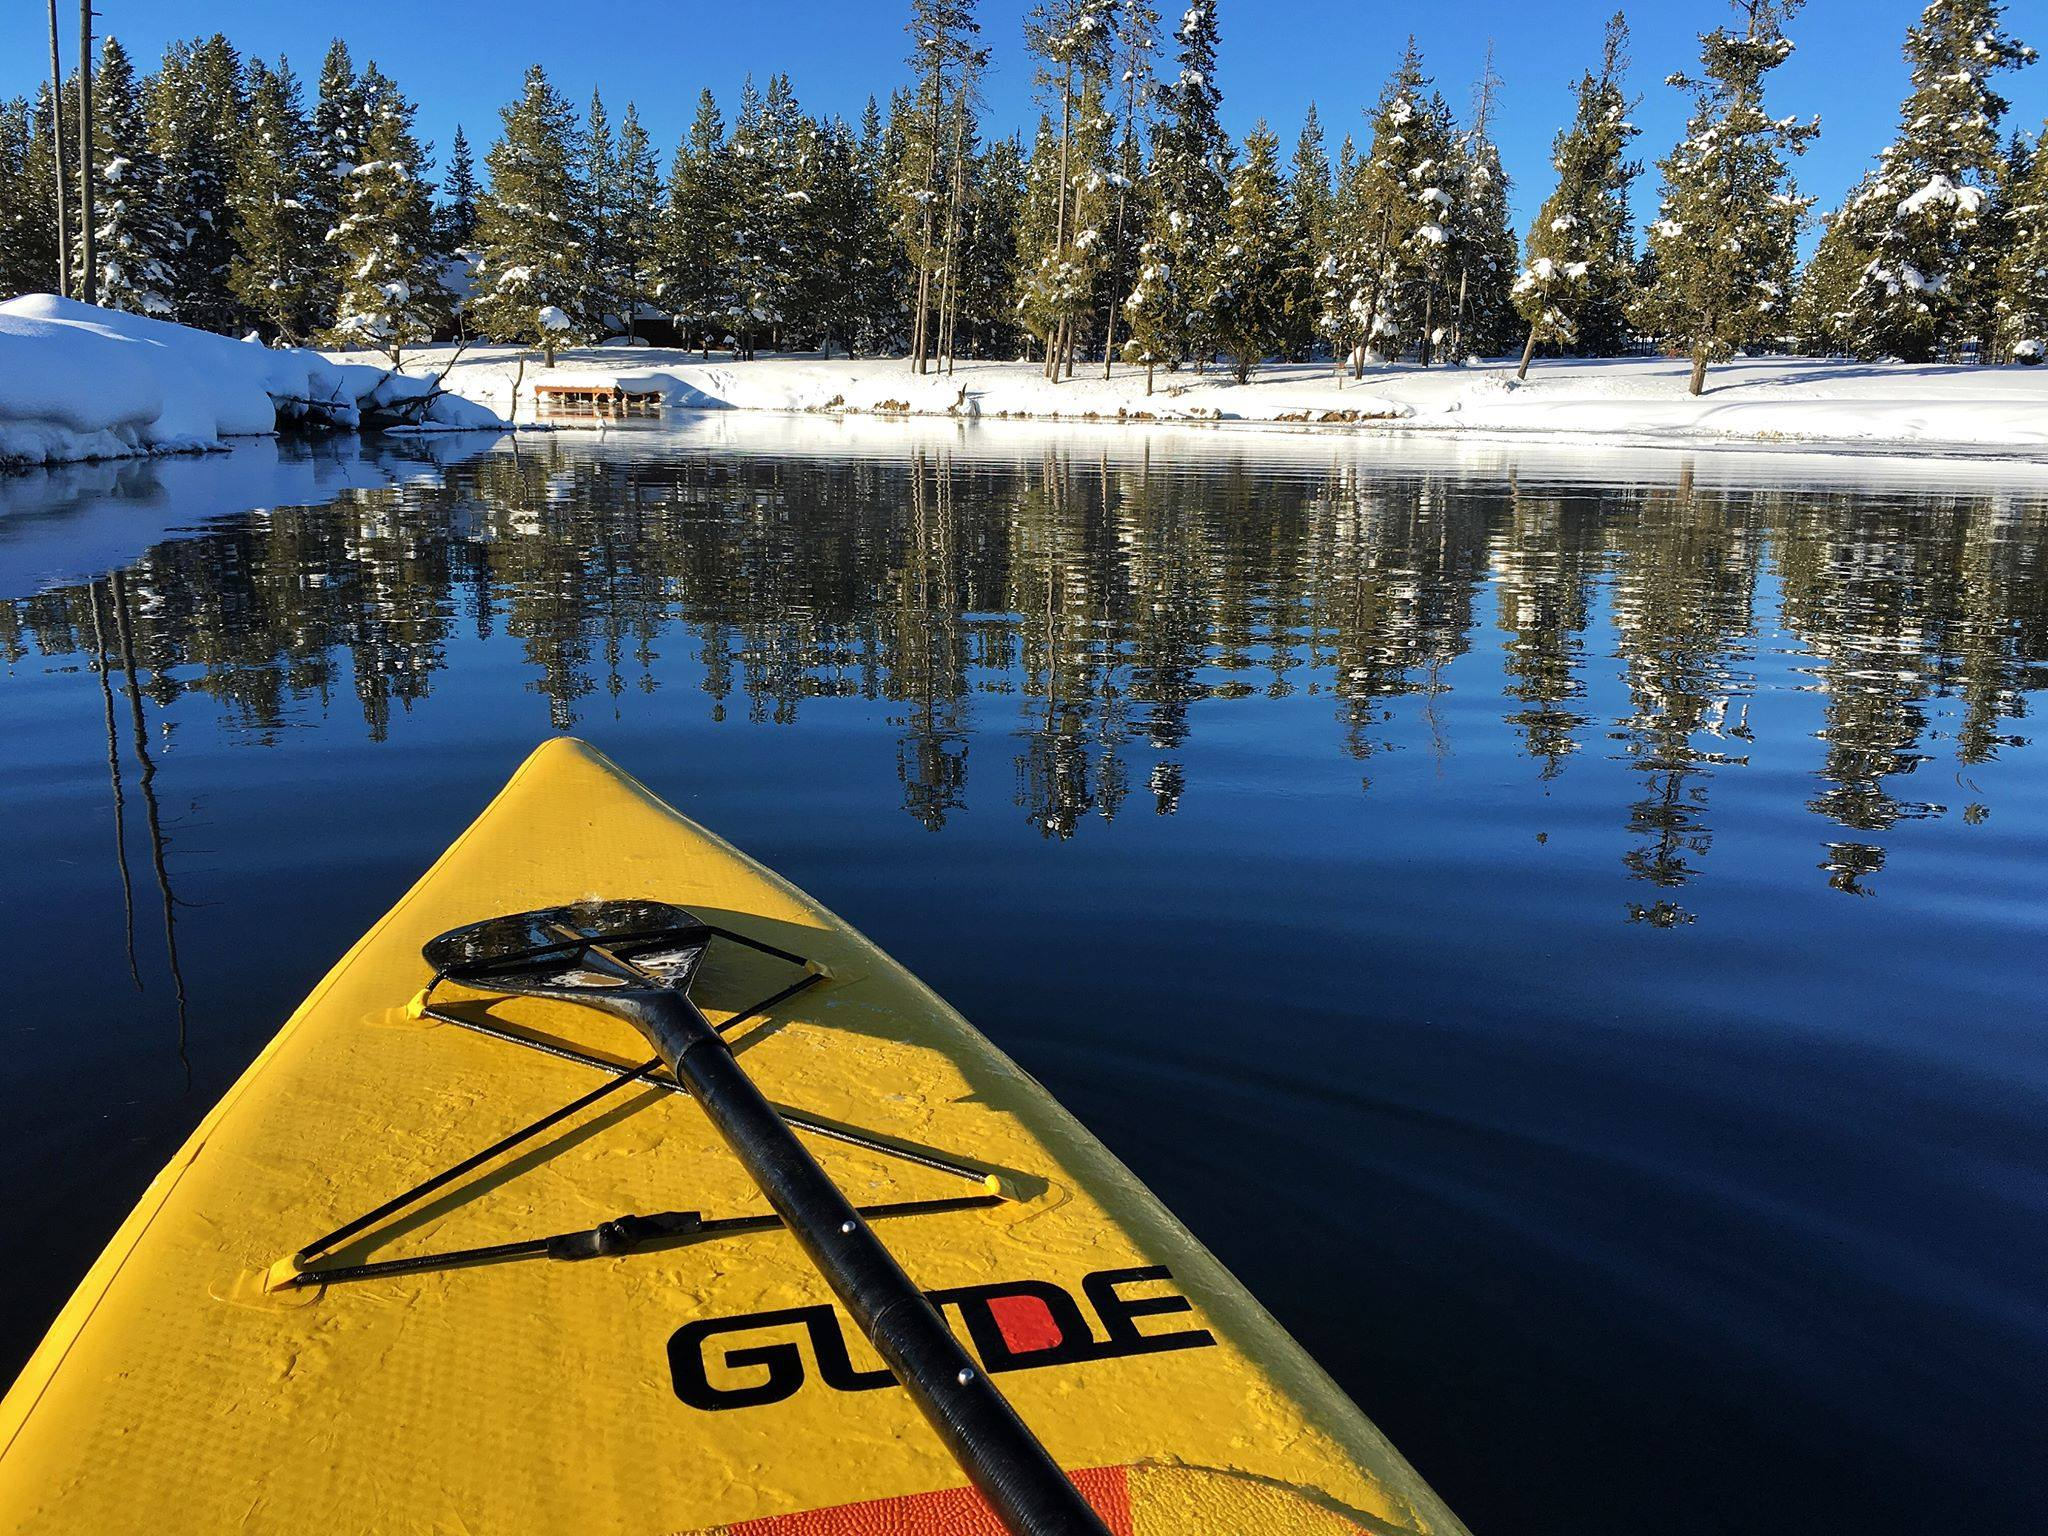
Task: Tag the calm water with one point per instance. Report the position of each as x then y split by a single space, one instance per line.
1567 930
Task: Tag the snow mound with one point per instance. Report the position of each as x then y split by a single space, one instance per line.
79 382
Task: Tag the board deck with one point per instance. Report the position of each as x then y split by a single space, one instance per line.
699 1385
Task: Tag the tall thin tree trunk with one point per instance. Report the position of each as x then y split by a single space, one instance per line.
1458 322
1528 351
1699 371
88 273
57 144
1059 235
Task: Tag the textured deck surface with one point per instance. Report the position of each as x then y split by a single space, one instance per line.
647 1393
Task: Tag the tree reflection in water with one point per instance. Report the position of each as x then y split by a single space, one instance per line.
1072 602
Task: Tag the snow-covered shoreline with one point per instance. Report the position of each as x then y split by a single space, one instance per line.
1817 403
80 384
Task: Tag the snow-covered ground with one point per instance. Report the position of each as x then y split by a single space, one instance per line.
1636 400
79 382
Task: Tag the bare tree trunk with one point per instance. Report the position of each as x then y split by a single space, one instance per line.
1149 366
1699 371
1426 349
57 144
1458 322
1528 351
88 273
1059 237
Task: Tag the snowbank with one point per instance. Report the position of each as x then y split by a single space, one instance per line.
1637 400
79 382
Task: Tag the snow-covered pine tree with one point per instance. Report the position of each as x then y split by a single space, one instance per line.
943 57
455 216
196 111
1073 43
1484 320
769 212
884 271
1724 241
2021 312
1374 289
532 276
1257 283
599 185
277 274
341 122
1310 196
32 219
1134 71
1823 312
1186 194
135 241
1575 290
637 218
693 259
391 294
1419 295
828 288
1037 229
1932 273
27 227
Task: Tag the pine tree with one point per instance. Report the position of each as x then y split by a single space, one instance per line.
1575 290
943 59
1823 313
1135 68
636 219
1418 299
31 220
135 239
989 253
1073 41
1258 282
278 271
1312 201
341 124
599 187
391 294
884 269
1724 242
1484 322
2021 310
532 272
196 110
1187 195
455 218
1932 274
1389 223
768 213
693 261
27 230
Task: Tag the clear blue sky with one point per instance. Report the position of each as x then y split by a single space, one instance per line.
463 62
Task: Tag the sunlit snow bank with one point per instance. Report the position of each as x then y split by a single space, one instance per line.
1816 402
79 382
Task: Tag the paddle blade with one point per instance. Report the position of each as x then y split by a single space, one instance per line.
584 948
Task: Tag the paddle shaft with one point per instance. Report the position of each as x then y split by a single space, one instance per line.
996 1448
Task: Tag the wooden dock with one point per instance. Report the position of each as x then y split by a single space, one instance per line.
595 400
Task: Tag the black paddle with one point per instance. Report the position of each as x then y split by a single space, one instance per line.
636 960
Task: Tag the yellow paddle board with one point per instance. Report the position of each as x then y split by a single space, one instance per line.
703 1381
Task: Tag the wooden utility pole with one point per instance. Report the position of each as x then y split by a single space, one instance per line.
88 268
57 144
